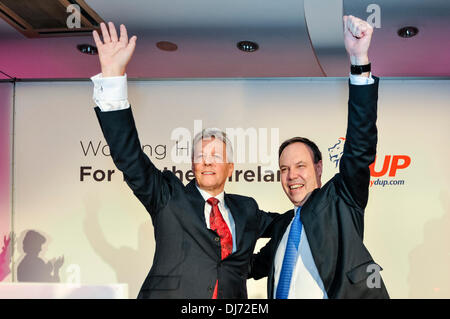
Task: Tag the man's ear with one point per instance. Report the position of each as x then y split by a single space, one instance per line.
318 167
230 169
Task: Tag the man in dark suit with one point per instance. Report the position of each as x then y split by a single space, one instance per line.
317 249
204 237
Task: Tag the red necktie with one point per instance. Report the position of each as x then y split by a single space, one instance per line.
217 223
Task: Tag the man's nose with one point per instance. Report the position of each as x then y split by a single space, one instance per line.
292 174
208 160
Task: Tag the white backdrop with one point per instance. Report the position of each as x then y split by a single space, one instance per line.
6 102
105 234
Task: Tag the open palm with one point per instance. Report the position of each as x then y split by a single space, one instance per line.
114 52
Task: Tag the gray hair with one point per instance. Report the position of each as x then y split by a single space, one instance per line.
211 133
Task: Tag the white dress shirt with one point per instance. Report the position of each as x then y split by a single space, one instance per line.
224 210
110 94
305 282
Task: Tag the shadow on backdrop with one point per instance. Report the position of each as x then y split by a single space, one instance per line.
429 275
33 268
130 265
5 257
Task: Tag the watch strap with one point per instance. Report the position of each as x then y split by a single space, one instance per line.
360 69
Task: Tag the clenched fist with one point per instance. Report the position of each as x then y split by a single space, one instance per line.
357 36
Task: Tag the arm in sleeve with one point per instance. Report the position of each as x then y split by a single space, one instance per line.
265 222
261 263
147 182
360 144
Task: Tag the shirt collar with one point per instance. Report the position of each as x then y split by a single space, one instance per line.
296 209
206 195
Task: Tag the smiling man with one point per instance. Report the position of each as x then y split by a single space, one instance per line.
301 168
317 249
204 236
211 160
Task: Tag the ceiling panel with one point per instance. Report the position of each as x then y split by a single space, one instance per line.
427 54
296 39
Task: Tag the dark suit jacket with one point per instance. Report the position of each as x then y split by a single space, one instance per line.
187 260
333 216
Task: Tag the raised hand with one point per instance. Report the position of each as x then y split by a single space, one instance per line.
57 264
114 52
6 241
357 36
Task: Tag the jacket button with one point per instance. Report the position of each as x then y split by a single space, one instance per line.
217 239
210 289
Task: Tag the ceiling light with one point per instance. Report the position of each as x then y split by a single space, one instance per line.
167 46
87 49
248 46
407 32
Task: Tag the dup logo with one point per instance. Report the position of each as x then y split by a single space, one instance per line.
391 164
335 152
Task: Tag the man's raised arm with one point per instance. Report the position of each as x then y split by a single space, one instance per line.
117 122
361 137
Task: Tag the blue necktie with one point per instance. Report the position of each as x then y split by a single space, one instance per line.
290 257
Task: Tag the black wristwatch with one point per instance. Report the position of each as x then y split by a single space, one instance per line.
360 69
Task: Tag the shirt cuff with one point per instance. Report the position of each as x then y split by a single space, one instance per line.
361 80
110 94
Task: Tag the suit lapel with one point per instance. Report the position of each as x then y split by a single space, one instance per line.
197 201
239 220
204 236
320 243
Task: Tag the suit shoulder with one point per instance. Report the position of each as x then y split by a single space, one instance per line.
172 179
242 198
331 183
